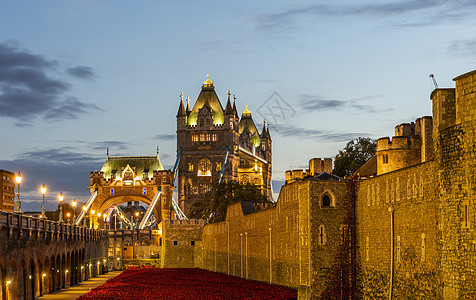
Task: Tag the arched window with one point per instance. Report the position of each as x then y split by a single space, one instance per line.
204 167
327 199
245 178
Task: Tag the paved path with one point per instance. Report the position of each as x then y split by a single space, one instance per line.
78 290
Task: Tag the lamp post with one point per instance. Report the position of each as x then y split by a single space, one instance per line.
43 191
91 217
61 198
18 179
68 214
74 203
99 220
137 219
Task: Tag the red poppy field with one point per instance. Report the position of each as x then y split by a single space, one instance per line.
154 283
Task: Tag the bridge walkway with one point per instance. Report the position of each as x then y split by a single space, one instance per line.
75 291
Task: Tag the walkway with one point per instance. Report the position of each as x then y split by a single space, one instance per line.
84 287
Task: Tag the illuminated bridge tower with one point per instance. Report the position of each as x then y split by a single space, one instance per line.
125 179
206 135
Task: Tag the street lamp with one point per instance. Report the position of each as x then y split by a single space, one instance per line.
18 179
61 198
74 203
43 191
137 218
99 220
91 217
68 214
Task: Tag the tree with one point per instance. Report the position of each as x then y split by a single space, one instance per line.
215 201
354 155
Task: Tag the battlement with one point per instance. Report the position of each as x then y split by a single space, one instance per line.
318 165
399 143
184 222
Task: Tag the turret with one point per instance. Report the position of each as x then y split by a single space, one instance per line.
181 114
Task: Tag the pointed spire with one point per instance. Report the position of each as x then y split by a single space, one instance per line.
107 153
267 131
181 111
228 109
157 152
188 110
264 133
234 107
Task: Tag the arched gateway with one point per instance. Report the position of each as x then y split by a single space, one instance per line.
127 179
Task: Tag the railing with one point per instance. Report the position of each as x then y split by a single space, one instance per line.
23 222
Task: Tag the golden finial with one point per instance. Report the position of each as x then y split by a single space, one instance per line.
208 82
181 96
246 112
188 100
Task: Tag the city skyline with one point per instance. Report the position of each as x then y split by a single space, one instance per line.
78 77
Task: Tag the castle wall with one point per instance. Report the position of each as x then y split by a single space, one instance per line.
180 241
455 138
280 245
412 195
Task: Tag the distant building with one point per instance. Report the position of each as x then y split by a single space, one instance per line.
205 132
7 190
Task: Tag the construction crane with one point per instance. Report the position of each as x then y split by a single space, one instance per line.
434 80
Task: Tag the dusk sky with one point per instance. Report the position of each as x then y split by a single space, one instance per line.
77 76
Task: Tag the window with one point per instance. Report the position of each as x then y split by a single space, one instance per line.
385 158
214 137
327 200
192 243
194 137
202 122
202 137
245 178
204 167
190 167
175 243
112 191
218 166
144 191
322 235
207 137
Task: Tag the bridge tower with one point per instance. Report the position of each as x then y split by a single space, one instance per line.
207 134
125 179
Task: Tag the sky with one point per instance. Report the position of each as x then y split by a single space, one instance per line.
78 76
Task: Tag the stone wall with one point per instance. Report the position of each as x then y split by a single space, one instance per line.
281 245
409 194
180 241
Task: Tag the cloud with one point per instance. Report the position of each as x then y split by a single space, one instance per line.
81 72
29 87
311 103
466 48
111 144
316 135
167 137
410 11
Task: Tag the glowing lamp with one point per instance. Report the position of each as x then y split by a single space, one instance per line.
74 203
61 197
18 178
43 189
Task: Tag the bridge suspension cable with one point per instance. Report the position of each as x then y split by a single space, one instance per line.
223 166
88 205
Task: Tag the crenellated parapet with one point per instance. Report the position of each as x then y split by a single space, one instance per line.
411 145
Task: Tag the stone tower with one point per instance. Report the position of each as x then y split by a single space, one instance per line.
205 132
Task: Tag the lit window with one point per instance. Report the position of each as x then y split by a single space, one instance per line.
194 137
204 167
190 167
145 191
218 166
214 137
202 137
112 191
207 137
